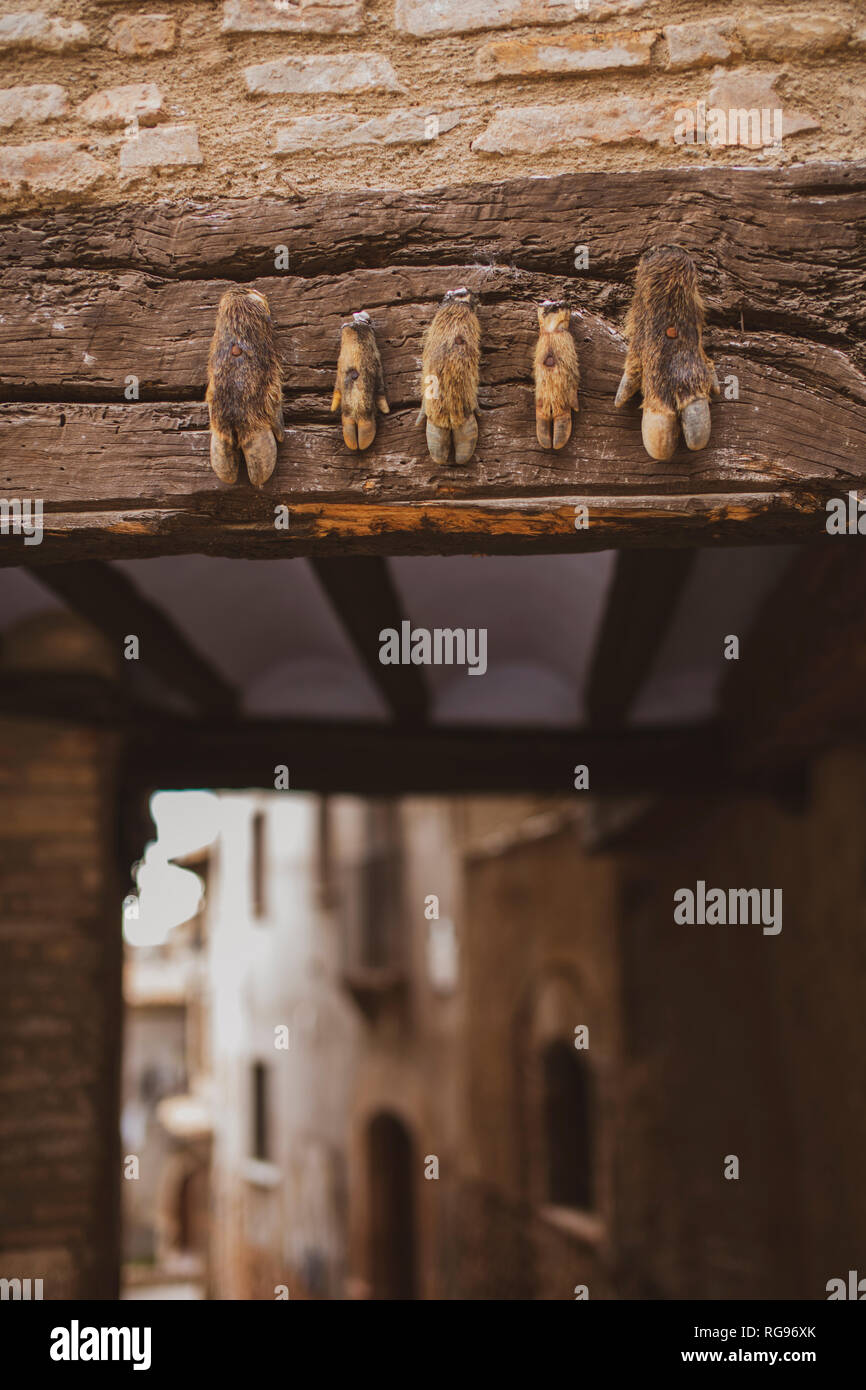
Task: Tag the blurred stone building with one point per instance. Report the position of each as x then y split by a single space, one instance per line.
283 1039
460 1049
392 1113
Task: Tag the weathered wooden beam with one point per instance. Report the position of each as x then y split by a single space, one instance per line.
798 429
126 298
108 599
799 685
365 600
532 525
133 479
785 244
81 334
647 586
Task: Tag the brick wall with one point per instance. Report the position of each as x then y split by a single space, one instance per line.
117 99
59 1010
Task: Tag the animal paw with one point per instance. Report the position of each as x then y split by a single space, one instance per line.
450 363
260 452
244 392
659 433
666 358
360 386
438 442
557 375
225 458
465 437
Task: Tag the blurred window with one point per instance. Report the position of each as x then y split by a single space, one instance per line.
259 896
260 1134
568 1126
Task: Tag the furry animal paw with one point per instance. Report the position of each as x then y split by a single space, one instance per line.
244 392
557 375
451 360
666 359
360 388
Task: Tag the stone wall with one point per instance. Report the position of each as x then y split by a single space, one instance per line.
111 100
60 1010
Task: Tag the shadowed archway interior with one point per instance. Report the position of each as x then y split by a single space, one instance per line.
390 1156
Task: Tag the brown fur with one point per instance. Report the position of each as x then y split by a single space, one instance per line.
666 359
360 386
451 359
557 375
244 392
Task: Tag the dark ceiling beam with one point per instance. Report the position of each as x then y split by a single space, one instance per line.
165 751
376 759
646 589
365 599
73 697
799 685
107 598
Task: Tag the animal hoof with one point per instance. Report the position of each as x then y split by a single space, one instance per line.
350 432
696 423
224 459
438 442
659 431
544 431
465 439
561 430
366 433
260 453
626 389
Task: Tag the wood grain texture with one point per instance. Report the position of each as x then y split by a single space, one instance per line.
782 242
93 297
497 526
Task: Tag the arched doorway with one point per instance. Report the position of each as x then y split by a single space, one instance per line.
192 1211
568 1126
392 1208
